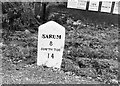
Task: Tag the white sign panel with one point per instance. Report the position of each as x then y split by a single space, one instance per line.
106 6
82 4
116 6
94 5
72 3
51 38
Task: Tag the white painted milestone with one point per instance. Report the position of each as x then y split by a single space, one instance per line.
82 4
94 5
106 6
116 6
72 3
51 38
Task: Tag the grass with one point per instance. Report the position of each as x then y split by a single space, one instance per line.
90 55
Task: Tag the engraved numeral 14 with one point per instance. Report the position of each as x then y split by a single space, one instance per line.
50 55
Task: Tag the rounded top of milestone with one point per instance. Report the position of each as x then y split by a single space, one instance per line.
51 24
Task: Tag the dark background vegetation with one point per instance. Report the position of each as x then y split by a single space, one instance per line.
91 43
